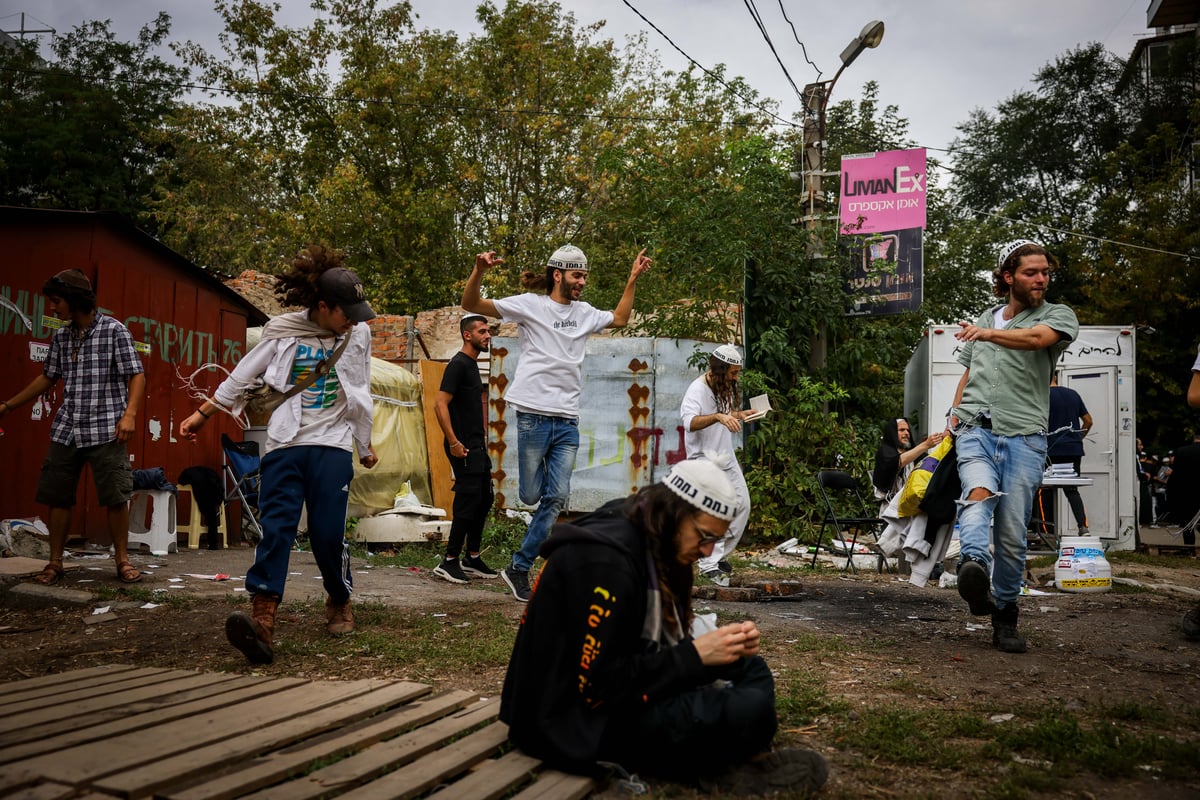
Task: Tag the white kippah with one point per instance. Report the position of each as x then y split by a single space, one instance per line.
1008 249
703 485
568 257
729 354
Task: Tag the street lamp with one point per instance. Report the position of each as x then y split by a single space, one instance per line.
816 100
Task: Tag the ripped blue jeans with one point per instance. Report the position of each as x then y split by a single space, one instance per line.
1010 467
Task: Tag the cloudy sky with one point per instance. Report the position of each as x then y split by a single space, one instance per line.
938 59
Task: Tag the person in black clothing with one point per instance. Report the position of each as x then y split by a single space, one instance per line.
459 412
1070 423
1184 461
605 668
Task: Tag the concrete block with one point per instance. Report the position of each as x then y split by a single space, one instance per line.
34 595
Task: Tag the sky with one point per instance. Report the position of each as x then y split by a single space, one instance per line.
938 60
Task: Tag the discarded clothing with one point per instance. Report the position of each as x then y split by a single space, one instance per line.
153 479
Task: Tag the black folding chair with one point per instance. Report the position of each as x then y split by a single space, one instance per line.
242 480
847 513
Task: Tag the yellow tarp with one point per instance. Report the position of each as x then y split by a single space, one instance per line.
399 440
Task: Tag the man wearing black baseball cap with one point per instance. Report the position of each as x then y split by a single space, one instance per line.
341 288
312 437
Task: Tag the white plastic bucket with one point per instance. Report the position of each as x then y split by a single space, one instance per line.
1081 565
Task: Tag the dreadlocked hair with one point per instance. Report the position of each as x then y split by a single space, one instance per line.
659 512
298 286
729 396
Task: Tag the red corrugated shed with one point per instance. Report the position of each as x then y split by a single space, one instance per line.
184 314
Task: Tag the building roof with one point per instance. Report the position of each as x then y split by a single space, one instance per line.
124 227
1163 13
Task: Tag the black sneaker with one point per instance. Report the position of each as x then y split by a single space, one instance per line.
518 581
975 587
790 770
725 567
450 570
473 565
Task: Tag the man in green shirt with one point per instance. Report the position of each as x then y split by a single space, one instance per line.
1001 412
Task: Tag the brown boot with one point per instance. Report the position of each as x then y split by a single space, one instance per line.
339 619
252 634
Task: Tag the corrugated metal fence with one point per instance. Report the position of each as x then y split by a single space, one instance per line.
630 432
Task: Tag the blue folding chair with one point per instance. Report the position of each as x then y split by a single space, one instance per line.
243 481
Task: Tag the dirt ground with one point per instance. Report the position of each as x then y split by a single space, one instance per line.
873 642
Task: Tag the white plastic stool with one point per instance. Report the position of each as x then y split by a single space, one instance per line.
153 526
195 527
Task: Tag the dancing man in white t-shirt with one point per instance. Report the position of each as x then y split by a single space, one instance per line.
552 329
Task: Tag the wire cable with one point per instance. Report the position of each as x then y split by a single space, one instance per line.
803 49
1079 235
709 72
753 9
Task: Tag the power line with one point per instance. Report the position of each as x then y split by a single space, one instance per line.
753 9
795 35
1079 235
709 72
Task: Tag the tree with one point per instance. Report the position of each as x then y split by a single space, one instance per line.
1111 193
81 132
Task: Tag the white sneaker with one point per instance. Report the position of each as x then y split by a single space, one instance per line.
715 576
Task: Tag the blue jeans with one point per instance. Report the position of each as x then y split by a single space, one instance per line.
1010 467
546 448
316 477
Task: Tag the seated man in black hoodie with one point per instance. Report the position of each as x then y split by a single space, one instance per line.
605 669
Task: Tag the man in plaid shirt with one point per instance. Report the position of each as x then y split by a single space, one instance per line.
103 386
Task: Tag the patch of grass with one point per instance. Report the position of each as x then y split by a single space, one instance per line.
815 644
1020 779
144 594
802 697
1125 588
1107 748
418 642
1035 753
1135 711
1182 560
912 737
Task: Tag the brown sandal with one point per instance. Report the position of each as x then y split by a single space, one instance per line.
128 573
50 575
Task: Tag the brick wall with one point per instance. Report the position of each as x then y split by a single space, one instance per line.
389 338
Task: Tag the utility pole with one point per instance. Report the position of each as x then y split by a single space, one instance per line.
816 100
23 30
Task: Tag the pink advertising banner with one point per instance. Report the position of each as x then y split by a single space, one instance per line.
883 191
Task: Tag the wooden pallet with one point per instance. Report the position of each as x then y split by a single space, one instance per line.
123 731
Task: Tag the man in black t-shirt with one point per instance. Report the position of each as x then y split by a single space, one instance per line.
459 411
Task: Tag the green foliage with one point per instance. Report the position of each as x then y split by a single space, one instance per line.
788 448
83 131
1117 169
